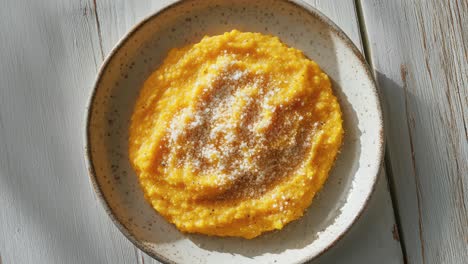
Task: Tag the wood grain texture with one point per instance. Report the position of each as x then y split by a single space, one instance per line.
419 52
50 54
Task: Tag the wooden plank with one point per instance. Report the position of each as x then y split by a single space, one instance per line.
419 52
49 58
50 54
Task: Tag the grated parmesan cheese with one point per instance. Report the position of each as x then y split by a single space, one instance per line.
207 137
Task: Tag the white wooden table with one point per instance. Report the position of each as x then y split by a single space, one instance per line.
50 53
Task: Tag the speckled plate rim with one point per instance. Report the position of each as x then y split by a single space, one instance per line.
312 11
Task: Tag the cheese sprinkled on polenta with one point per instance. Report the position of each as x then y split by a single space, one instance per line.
234 135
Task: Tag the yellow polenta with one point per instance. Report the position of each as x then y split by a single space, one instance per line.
234 135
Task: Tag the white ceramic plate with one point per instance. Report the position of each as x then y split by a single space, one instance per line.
344 195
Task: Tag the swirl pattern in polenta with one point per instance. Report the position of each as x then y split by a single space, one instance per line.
234 135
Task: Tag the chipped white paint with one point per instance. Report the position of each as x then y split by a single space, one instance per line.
50 54
419 50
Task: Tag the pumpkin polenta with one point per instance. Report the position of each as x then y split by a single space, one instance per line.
234 135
